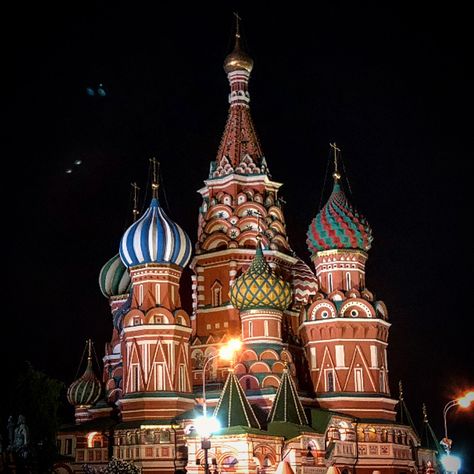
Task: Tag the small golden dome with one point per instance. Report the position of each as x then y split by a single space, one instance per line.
238 60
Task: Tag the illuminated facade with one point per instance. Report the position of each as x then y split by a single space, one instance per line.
309 391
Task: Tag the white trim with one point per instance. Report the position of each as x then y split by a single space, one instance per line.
214 309
339 319
364 399
242 252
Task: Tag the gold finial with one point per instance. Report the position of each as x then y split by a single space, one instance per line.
89 350
425 413
259 227
154 184
135 210
238 60
336 175
400 390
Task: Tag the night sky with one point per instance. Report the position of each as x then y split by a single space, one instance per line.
389 84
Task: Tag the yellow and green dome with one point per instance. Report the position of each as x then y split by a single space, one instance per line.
260 288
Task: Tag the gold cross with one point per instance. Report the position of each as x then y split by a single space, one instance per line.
154 183
237 20
135 211
336 175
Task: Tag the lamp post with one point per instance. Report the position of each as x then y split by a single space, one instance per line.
452 463
205 425
463 402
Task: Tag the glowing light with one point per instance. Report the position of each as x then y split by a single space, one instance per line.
466 400
205 425
235 344
227 352
451 463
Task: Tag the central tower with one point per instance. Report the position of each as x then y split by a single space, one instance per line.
240 205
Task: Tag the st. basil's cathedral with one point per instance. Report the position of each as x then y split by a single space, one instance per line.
307 392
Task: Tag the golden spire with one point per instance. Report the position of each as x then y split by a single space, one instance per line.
425 413
154 183
135 210
89 350
336 175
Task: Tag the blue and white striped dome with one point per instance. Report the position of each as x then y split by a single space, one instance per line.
155 238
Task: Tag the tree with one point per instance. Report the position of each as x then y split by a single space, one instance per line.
115 466
37 397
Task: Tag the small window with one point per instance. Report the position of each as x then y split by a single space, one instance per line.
68 446
348 281
359 380
208 326
330 381
217 325
226 324
136 321
158 319
330 282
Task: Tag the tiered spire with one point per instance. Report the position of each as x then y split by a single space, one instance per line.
239 151
428 437
233 408
287 405
404 414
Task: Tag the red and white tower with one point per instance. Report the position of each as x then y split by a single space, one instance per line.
240 202
345 330
156 330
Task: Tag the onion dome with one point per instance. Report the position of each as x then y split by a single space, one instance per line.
238 59
155 238
304 283
86 390
259 287
338 226
114 278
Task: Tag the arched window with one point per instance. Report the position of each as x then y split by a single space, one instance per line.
250 329
348 281
216 294
329 282
229 462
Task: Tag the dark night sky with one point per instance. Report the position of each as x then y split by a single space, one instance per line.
387 83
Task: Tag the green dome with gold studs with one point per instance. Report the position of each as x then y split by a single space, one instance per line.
260 288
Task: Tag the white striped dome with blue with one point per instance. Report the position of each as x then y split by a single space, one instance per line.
155 238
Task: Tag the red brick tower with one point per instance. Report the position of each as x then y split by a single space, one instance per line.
345 330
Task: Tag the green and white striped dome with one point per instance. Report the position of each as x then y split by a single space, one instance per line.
114 278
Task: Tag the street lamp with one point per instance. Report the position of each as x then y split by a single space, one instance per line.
463 402
206 426
226 352
452 463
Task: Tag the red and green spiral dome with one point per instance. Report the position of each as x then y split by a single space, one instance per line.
338 226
